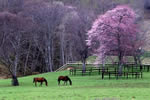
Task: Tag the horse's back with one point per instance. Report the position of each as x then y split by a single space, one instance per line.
38 78
67 77
61 77
64 78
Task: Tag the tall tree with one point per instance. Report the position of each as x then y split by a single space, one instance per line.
12 27
115 33
48 17
76 34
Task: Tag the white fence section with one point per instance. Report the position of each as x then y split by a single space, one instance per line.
75 63
68 63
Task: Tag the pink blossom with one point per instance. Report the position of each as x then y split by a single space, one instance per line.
115 32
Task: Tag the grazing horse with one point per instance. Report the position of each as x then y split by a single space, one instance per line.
41 80
65 79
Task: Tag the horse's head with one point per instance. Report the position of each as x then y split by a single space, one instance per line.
46 83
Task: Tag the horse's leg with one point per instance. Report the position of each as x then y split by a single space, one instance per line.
35 84
64 82
41 83
58 82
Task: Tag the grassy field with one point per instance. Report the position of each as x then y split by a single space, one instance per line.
83 88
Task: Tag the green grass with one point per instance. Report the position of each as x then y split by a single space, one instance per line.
146 54
91 59
83 88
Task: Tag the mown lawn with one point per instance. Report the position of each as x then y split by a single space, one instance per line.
83 88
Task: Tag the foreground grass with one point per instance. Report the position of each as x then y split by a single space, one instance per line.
83 88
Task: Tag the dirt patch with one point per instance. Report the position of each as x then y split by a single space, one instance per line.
4 77
4 73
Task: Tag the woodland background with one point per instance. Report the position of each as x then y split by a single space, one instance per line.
42 35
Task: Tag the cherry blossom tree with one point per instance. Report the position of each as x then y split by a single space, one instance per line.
115 34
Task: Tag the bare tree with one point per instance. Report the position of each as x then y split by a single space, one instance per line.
76 24
13 28
48 16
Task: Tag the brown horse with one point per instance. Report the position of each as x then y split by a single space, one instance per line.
41 80
65 79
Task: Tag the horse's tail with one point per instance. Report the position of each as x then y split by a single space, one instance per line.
69 80
46 83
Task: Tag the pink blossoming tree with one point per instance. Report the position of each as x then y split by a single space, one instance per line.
115 34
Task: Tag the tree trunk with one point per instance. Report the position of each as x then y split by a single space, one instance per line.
135 61
62 55
139 60
48 56
46 60
70 53
84 66
103 64
52 56
120 69
62 51
14 73
120 63
15 64
49 59
15 81
26 61
120 55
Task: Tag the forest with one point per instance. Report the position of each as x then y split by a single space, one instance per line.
42 35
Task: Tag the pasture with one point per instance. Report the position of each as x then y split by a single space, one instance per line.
83 88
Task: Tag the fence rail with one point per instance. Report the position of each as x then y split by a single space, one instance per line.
74 63
145 66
